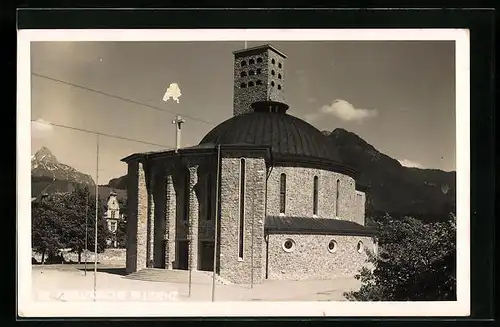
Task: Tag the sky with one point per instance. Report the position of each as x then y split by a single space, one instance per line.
399 96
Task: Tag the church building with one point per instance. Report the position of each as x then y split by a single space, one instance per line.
264 189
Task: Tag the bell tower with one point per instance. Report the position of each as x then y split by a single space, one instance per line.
258 76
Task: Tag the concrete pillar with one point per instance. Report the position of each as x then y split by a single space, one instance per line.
193 218
170 221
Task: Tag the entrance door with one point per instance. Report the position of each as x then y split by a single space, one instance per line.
207 256
183 254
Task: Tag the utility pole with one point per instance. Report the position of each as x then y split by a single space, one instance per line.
96 218
178 121
86 230
216 224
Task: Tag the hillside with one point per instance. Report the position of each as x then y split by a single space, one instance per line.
48 175
393 188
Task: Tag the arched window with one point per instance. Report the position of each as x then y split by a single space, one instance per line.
282 192
315 196
279 76
337 196
272 83
243 63
279 65
242 209
251 73
259 60
259 82
250 84
259 71
273 61
243 85
273 72
279 87
251 62
243 74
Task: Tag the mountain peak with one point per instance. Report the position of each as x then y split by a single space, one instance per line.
45 155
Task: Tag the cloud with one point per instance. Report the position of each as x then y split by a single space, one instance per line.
346 111
41 128
174 92
409 163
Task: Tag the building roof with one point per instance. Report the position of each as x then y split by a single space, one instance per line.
307 225
286 135
257 49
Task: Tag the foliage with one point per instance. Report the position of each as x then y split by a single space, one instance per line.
121 234
416 262
47 229
59 220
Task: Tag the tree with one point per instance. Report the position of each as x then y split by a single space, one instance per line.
79 209
47 226
121 233
416 262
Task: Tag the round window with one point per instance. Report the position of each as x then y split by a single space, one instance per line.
288 245
332 246
360 247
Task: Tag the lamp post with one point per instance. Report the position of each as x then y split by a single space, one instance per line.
96 217
178 121
86 230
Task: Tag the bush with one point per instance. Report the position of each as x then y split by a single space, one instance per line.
416 262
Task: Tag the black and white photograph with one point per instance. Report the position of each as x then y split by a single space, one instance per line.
247 171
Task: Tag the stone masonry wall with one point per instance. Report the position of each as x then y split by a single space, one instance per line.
244 97
361 205
271 85
299 193
170 222
311 259
232 267
137 217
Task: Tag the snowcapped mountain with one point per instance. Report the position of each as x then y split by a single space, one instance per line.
49 175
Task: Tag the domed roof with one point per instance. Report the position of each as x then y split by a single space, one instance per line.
288 136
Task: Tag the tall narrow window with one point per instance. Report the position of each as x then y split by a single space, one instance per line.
315 196
282 193
209 197
242 208
337 195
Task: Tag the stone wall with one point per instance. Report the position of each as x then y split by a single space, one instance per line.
137 195
110 256
299 194
271 85
311 258
235 269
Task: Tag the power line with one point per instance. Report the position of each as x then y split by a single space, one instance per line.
103 134
120 98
